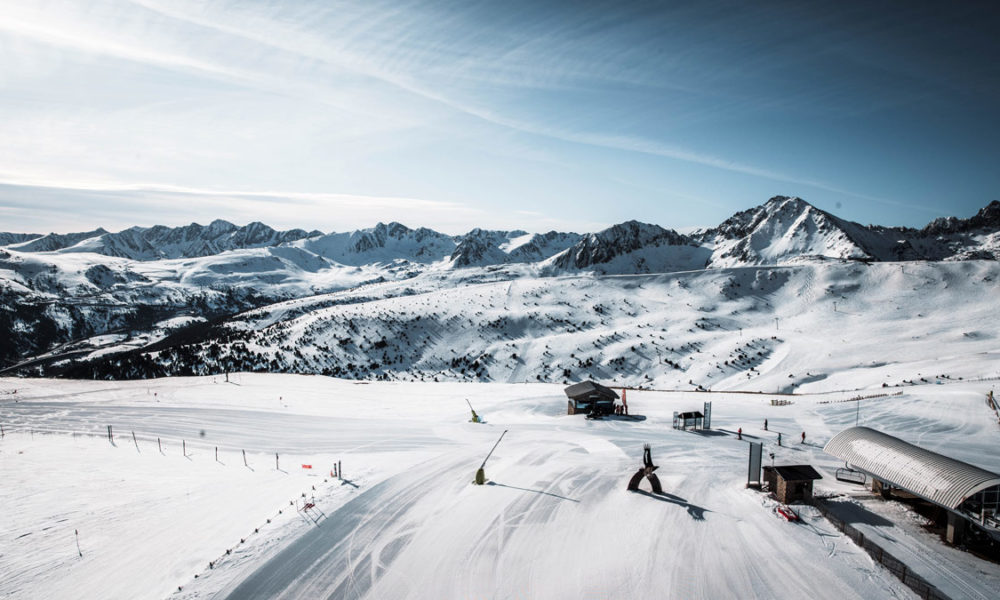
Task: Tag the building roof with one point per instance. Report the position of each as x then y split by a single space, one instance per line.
691 415
932 476
797 472
586 389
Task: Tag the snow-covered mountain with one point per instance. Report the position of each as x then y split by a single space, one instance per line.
632 247
384 243
189 241
61 292
56 241
781 230
7 238
707 329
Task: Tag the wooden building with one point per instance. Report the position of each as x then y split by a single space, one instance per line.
587 396
790 483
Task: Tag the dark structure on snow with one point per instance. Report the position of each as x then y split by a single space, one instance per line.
647 471
689 420
789 483
589 397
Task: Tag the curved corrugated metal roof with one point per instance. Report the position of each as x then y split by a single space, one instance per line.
932 476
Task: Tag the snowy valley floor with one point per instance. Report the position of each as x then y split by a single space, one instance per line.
555 520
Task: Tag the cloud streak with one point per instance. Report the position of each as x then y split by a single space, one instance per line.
430 99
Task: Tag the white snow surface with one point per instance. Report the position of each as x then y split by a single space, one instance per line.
554 520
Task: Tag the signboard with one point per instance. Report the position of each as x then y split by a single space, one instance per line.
753 474
708 415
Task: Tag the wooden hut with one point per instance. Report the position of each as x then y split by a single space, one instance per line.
789 483
587 396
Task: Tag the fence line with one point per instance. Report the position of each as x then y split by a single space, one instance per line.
918 584
857 398
335 475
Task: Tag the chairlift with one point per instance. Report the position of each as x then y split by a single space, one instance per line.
849 475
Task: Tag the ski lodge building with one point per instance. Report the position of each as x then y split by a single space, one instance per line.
588 395
966 493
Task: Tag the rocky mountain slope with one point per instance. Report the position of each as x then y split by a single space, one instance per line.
69 296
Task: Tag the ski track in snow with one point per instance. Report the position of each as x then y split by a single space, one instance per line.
554 520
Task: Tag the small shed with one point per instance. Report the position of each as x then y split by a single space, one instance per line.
588 396
689 420
791 482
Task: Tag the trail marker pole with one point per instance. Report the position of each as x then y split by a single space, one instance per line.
1 432
77 533
136 442
216 454
276 462
111 437
481 473
184 447
340 471
245 459
159 445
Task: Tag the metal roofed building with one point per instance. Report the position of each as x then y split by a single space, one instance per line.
962 489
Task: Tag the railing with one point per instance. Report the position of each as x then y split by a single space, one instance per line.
918 584
857 398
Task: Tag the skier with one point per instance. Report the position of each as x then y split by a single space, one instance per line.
803 437
765 424
739 433
779 438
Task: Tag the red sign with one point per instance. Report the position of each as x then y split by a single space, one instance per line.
307 466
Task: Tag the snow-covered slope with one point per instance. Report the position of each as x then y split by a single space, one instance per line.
783 230
181 512
56 241
63 289
384 243
752 328
631 247
7 238
190 241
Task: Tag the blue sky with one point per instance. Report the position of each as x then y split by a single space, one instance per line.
517 114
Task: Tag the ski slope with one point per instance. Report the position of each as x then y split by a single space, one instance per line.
554 521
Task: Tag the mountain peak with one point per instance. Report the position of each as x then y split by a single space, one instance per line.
615 241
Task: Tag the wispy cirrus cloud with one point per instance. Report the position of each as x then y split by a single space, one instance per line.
446 99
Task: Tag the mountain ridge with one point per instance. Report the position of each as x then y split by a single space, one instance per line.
68 290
